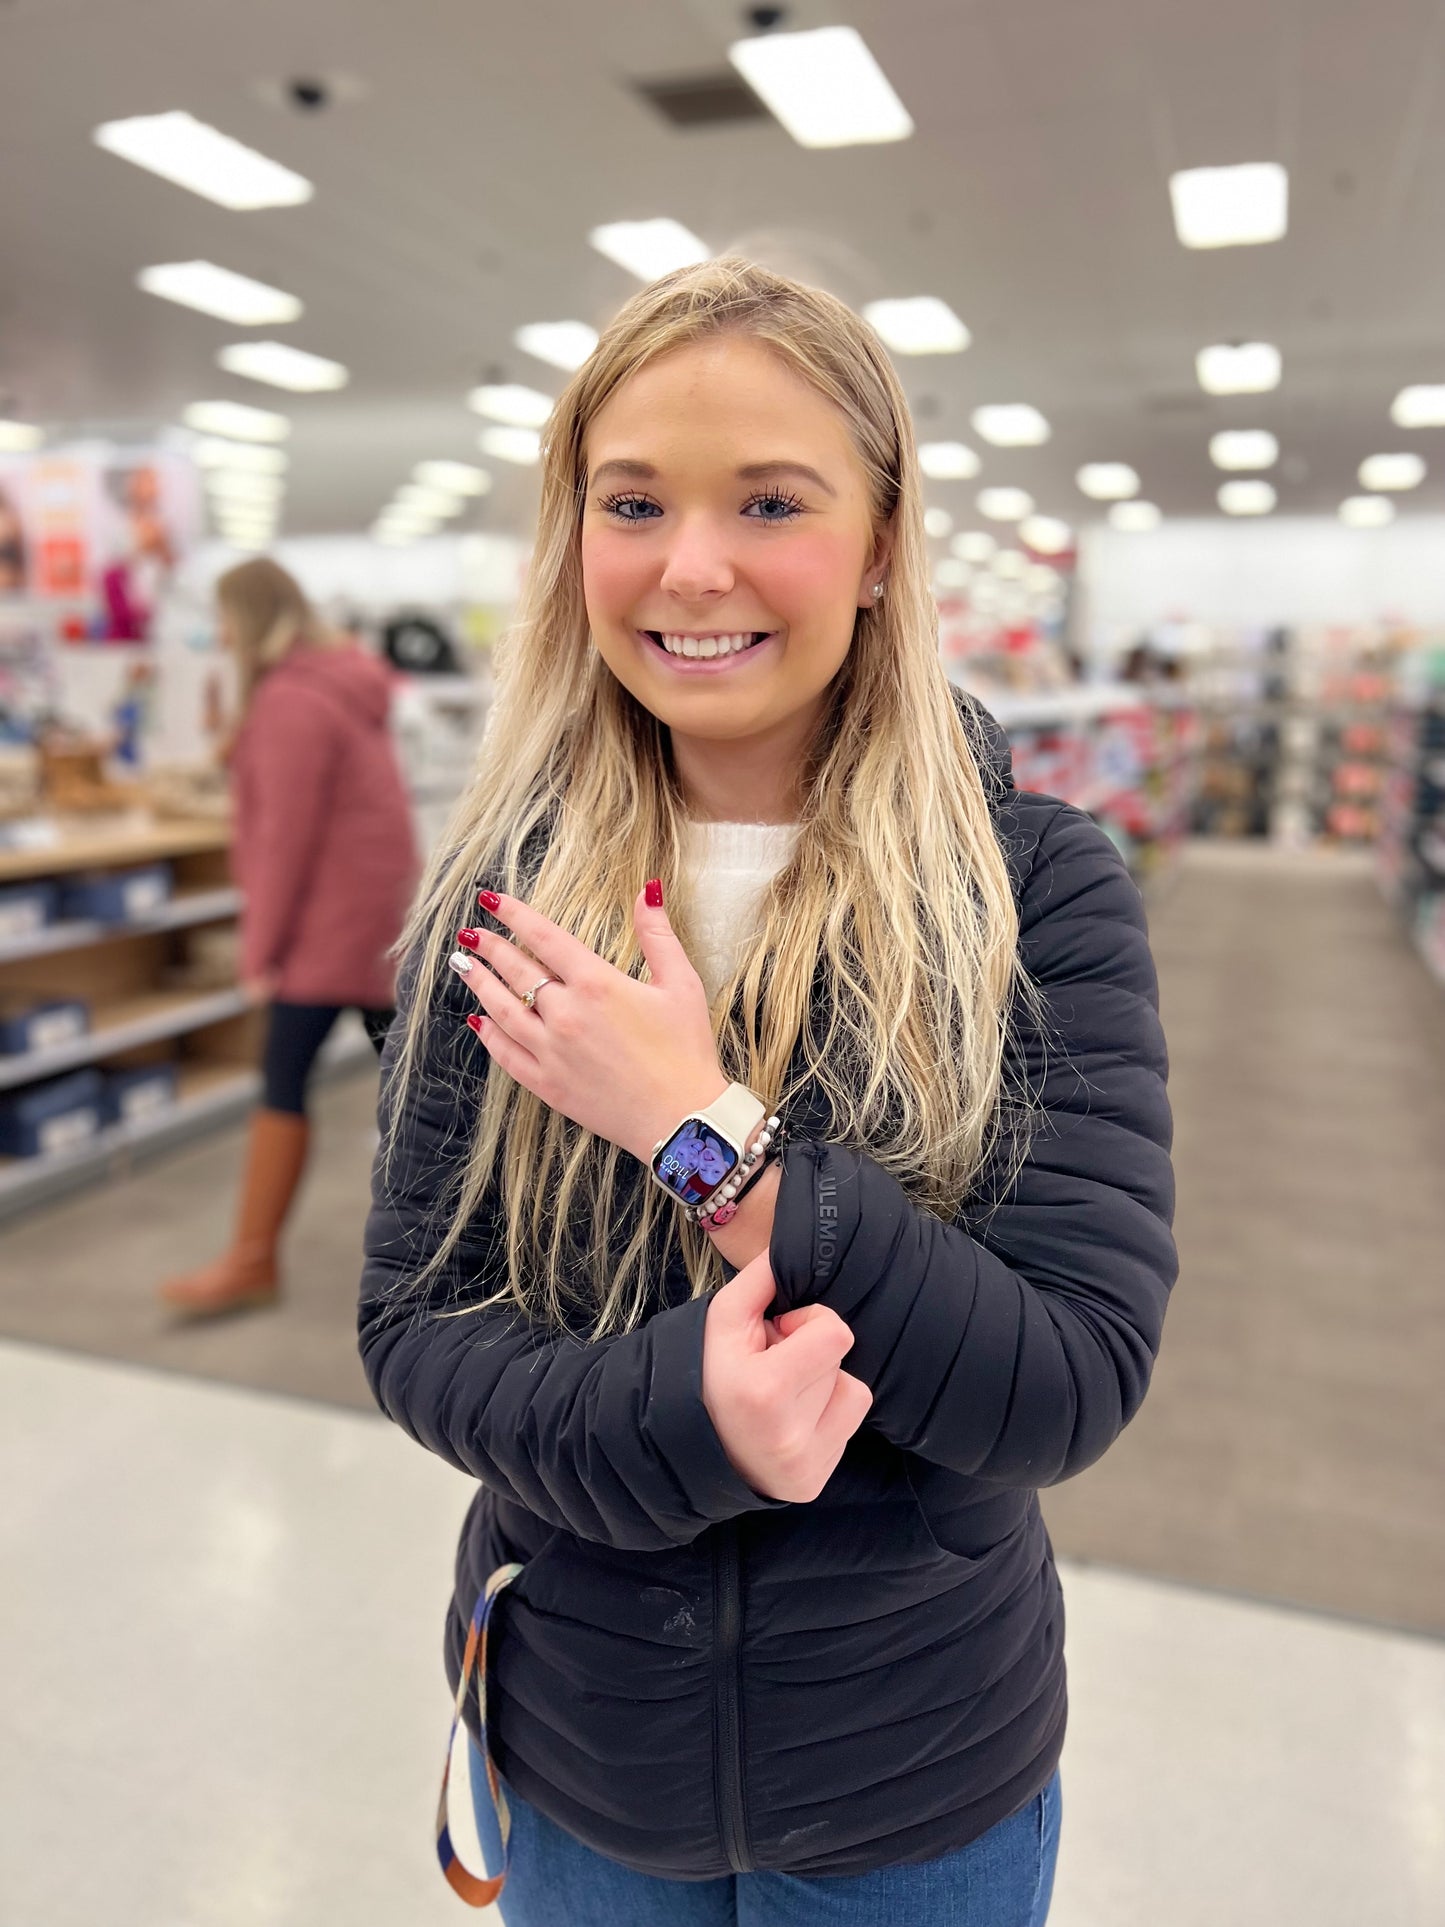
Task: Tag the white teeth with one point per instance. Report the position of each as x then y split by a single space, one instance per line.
707 645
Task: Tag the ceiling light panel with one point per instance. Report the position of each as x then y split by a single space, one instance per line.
1391 471
938 523
213 452
1243 448
430 501
236 419
824 86
948 461
920 324
1005 504
182 149
974 545
952 574
561 344
1011 425
1230 207
1107 481
1010 565
1239 368
455 478
217 291
521 445
649 248
283 366
512 403
1046 534
1421 407
1247 498
1134 518
18 438
1367 511
240 485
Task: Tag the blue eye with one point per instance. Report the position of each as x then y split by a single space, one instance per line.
774 499
624 507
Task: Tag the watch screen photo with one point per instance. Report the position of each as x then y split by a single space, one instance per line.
694 1161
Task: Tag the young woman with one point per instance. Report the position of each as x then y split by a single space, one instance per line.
323 850
777 1631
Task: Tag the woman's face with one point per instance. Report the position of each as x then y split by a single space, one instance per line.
725 498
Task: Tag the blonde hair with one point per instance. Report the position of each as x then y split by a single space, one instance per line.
897 884
270 616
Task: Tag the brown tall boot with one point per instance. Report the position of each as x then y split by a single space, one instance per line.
247 1274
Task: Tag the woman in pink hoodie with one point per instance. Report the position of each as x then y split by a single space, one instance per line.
325 856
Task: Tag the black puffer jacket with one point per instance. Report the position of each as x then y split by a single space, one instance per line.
692 1679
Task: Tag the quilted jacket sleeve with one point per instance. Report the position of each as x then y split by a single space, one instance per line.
610 1440
1016 1345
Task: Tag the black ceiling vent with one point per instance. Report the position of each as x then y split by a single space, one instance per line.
706 100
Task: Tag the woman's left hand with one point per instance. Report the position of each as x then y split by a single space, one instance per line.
625 1060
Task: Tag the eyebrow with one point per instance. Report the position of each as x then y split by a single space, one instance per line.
750 472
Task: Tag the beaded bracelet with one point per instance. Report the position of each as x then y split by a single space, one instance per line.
722 1207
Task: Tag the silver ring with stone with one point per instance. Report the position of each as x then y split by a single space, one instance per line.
531 997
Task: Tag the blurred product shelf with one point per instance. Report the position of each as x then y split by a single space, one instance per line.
188 907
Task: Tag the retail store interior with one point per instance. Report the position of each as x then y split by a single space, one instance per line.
1164 285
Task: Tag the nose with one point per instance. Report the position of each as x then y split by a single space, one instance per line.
698 567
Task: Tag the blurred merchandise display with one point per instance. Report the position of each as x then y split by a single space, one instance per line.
1412 839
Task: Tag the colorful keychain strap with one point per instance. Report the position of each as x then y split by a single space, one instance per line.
473 1888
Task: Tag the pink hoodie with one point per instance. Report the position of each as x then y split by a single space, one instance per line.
324 848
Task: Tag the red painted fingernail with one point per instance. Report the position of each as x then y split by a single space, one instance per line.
469 940
489 900
654 894
475 1023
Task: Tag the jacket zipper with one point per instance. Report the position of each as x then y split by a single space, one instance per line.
727 1608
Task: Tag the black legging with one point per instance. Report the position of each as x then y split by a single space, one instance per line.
294 1035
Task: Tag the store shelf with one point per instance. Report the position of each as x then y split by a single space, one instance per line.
140 1020
43 847
188 907
210 1096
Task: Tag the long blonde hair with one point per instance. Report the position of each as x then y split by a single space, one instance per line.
270 615
897 886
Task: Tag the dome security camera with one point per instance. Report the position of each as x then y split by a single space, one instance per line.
764 19
308 96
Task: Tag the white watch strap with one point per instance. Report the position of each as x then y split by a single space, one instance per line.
738 1112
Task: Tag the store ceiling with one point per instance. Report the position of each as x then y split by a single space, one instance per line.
472 145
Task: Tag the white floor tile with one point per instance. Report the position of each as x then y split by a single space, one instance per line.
223 1702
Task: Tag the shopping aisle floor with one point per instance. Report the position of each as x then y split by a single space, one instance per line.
223 1702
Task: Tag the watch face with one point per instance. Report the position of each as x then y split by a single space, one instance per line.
694 1161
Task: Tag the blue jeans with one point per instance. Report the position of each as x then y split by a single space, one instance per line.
1003 1879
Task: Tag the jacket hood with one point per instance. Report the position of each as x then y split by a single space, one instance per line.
348 677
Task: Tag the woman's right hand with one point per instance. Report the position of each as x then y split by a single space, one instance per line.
775 1392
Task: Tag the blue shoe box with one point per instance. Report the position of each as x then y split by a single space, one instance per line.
117 896
131 1095
44 1119
27 1025
27 908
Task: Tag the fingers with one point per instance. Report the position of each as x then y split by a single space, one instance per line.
560 953
741 1302
813 1351
842 1415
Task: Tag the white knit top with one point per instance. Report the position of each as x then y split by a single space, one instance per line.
730 866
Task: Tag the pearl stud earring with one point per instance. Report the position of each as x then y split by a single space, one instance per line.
877 590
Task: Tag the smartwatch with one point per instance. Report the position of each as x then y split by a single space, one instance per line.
707 1147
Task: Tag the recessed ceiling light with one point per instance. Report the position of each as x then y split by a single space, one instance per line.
1046 534
283 366
1010 565
1011 425
512 403
455 478
1367 511
975 545
1391 471
1042 580
1230 207
395 538
649 249
952 574
235 418
182 149
938 523
1134 518
215 453
921 324
1107 481
824 86
242 485
212 290
948 461
250 543
1005 504
430 501
18 438
1420 407
523 445
1247 498
561 344
1243 448
1238 368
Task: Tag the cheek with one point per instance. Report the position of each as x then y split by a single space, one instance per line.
613 572
810 578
